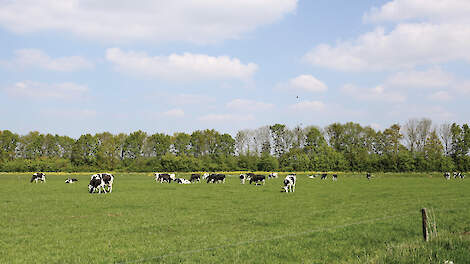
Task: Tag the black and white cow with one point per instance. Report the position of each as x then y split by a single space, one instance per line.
368 176
258 179
335 177
242 178
38 176
462 176
313 176
289 183
164 177
71 180
100 182
195 177
182 181
205 175
447 175
323 176
273 175
216 178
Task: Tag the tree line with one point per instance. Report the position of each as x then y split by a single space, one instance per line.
418 145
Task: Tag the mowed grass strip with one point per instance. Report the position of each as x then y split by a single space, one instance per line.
351 220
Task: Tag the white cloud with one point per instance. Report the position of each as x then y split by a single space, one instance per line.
440 96
248 105
36 90
174 113
308 106
157 20
307 83
403 10
406 46
187 66
37 58
226 118
376 94
431 78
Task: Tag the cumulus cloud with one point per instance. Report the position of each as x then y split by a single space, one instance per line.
37 90
174 113
248 105
186 66
226 118
308 106
406 46
157 20
25 58
376 94
403 10
307 83
424 32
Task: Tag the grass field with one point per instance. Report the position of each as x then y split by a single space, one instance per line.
349 221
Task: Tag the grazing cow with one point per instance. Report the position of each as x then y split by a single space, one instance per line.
368 176
323 176
38 176
108 180
163 177
456 175
272 175
172 176
258 179
242 178
313 176
195 177
447 175
216 178
71 180
205 175
182 181
100 181
289 183
335 177
96 183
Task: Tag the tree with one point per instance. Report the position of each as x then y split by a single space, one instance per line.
134 145
242 142
8 144
157 145
281 138
181 144
31 145
445 134
84 150
107 156
433 151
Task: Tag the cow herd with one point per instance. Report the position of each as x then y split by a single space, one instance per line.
456 175
103 182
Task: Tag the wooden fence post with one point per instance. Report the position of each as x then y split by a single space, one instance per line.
425 224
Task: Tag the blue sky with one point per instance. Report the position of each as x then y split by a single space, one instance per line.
80 66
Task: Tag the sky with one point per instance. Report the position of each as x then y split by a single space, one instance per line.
72 67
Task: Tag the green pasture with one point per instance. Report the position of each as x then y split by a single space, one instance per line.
352 220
